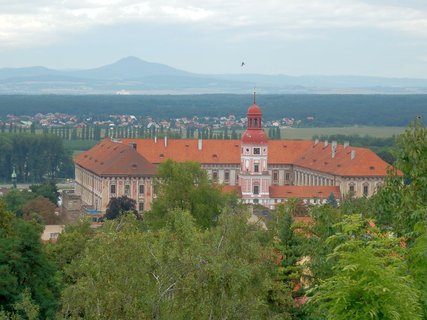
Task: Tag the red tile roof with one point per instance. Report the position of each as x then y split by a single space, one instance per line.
110 158
213 151
365 163
303 153
236 189
305 192
286 151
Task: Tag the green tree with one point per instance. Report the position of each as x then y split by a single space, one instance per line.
69 249
186 273
288 248
15 200
417 260
47 190
401 202
325 219
369 278
120 205
332 201
186 186
24 266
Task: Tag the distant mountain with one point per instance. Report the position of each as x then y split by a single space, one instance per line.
12 73
132 75
130 68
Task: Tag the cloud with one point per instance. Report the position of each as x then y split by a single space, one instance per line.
29 22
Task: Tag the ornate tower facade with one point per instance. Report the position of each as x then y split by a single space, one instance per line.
254 178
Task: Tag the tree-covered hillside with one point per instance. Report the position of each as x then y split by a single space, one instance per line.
327 110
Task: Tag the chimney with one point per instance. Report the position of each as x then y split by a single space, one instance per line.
155 139
166 141
353 154
334 148
326 143
346 144
316 142
200 144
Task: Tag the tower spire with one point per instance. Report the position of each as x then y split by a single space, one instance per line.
254 95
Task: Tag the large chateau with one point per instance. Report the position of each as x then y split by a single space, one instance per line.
260 171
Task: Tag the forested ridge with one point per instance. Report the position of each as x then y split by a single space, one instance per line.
327 110
195 256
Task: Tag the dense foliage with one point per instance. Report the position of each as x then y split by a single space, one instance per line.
34 157
196 255
186 186
25 269
38 202
327 110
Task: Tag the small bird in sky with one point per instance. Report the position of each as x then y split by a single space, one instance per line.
243 64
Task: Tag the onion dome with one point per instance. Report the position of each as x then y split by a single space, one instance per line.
254 137
254 110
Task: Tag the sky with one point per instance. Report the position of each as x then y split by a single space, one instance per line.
294 37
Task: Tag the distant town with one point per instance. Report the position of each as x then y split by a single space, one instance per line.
123 125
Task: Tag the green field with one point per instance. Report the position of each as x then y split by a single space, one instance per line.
78 146
308 133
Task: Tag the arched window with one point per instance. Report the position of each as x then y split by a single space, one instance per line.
351 187
365 189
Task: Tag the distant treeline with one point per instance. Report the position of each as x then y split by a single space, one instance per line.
35 158
327 110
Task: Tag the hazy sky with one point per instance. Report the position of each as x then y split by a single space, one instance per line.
359 37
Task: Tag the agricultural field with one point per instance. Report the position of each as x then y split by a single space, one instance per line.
308 133
78 146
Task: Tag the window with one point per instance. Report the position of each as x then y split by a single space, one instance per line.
275 176
214 175
351 188
256 168
113 189
141 206
365 190
226 175
54 235
287 176
237 177
141 189
257 150
127 190
256 189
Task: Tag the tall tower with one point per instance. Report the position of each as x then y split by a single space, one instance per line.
254 179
